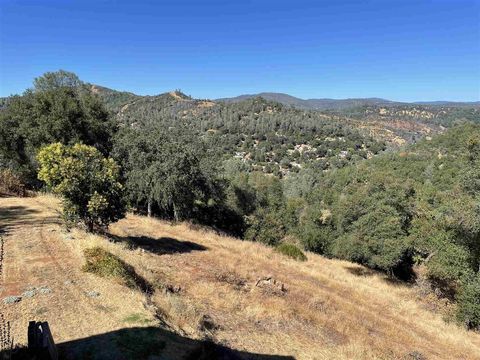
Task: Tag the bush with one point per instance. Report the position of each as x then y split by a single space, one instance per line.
10 183
377 239
265 227
104 264
88 183
449 264
468 299
291 251
316 238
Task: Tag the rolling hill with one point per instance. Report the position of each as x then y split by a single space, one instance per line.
339 104
310 104
384 124
265 129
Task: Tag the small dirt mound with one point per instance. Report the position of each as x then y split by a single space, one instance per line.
271 286
233 279
207 325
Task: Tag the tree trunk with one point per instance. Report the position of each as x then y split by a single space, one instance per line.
175 213
149 208
90 226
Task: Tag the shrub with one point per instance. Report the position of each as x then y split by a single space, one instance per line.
291 251
468 299
10 183
88 183
264 226
137 318
316 238
449 264
376 239
100 262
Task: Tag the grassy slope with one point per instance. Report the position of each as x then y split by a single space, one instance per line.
331 309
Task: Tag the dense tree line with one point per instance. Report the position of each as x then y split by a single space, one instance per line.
59 108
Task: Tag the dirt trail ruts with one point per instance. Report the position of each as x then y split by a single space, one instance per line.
39 254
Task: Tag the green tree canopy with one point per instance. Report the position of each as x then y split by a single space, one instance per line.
164 170
87 181
59 108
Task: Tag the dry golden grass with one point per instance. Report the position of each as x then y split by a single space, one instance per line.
330 309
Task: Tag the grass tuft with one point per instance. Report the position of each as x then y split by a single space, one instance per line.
137 318
291 251
104 264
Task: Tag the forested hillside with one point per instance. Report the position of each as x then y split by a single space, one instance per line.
113 100
288 178
265 136
441 114
390 123
395 123
418 206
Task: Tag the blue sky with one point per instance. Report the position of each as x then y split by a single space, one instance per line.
401 50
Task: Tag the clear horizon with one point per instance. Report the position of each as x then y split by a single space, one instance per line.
397 50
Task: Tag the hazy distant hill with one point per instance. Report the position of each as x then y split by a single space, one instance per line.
116 99
449 103
338 104
310 104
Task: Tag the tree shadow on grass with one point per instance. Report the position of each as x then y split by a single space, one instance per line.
18 216
148 343
159 246
360 271
401 276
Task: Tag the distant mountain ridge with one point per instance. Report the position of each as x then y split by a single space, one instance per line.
338 104
115 98
394 123
384 120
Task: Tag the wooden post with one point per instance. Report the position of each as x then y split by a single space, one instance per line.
40 341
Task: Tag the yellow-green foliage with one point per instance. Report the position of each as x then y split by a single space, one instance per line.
104 264
87 181
292 251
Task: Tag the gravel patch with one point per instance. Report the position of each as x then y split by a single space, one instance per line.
92 294
29 293
44 290
68 237
12 299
